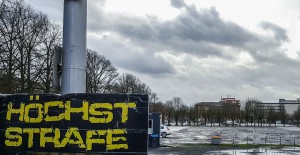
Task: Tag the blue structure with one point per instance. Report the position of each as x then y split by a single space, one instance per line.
154 130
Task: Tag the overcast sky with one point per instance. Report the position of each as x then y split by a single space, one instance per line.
198 49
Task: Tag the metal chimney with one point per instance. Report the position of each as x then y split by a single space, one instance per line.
74 47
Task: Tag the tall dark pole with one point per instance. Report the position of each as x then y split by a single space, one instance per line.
74 47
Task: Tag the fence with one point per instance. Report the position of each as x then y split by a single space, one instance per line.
263 139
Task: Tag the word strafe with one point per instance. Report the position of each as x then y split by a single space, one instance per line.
15 137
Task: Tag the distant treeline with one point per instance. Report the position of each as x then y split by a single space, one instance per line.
250 113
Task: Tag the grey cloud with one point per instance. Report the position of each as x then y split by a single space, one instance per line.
142 31
148 64
202 30
281 77
208 26
279 32
178 3
202 26
202 33
96 15
124 55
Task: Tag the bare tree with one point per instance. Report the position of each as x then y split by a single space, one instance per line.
206 115
260 113
218 115
153 98
169 107
192 115
179 110
232 111
101 74
197 113
297 116
32 27
9 22
183 114
156 107
128 83
200 114
248 112
51 40
154 104
22 30
253 111
160 108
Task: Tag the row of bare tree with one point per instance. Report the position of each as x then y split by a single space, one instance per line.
252 113
175 110
27 42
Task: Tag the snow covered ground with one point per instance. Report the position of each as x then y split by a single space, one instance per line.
230 135
259 151
238 135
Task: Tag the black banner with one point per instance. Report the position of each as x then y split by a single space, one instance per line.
74 123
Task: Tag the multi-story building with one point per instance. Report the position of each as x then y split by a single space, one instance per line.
290 105
228 105
229 100
282 106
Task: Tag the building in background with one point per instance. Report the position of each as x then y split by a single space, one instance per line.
224 100
290 105
282 106
228 108
230 99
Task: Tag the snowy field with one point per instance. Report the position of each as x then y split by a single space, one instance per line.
233 135
238 135
258 151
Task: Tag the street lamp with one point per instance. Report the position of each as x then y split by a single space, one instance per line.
74 47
